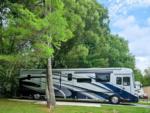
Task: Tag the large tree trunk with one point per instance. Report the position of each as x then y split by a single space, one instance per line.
50 88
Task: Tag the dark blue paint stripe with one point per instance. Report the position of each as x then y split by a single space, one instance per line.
122 93
103 95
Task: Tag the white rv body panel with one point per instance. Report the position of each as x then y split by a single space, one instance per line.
87 83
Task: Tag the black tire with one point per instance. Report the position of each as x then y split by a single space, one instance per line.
36 96
114 99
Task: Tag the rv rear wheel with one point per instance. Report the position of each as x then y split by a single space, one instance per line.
36 96
114 100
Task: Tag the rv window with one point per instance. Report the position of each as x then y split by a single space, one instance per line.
119 80
126 81
28 77
56 73
84 80
69 77
102 77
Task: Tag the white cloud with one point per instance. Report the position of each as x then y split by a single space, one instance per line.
127 26
120 7
124 22
148 21
143 2
138 37
133 32
142 63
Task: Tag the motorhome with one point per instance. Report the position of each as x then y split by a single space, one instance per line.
106 84
139 90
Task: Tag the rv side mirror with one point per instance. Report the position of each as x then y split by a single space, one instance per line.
28 77
69 77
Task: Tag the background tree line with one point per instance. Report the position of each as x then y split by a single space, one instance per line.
76 30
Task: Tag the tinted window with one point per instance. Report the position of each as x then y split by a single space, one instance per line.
56 73
28 77
69 77
102 77
84 80
126 81
119 80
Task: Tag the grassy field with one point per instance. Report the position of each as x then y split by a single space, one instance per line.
7 106
103 109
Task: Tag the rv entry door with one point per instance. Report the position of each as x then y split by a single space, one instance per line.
127 83
123 82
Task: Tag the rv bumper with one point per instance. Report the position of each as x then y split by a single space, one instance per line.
130 100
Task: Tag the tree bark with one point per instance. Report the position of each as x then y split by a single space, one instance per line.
51 102
50 88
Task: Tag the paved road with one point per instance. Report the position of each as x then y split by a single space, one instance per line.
134 105
61 103
83 103
73 103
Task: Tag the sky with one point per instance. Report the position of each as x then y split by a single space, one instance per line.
131 20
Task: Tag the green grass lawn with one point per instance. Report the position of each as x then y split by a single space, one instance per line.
103 109
7 106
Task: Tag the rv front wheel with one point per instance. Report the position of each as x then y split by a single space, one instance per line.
114 99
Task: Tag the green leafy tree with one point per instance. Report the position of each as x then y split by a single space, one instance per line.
89 23
138 75
119 55
146 79
77 56
16 39
30 33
